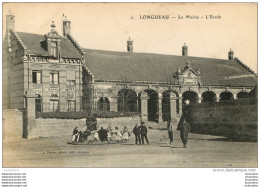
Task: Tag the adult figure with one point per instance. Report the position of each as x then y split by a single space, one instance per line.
102 133
170 131
137 133
144 133
184 132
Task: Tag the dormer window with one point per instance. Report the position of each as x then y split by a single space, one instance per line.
52 41
54 50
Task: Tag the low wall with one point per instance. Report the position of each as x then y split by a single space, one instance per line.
55 127
12 124
234 119
119 122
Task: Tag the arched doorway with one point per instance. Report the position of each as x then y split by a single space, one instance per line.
189 97
152 105
208 96
103 104
127 100
225 96
166 104
242 94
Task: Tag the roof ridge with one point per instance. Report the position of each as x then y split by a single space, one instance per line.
29 33
197 57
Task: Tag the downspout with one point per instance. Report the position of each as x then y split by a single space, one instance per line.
80 99
29 72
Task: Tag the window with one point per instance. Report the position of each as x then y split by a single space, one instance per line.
38 105
54 77
54 49
54 105
71 106
36 77
71 77
71 82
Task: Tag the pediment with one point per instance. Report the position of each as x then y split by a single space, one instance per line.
190 74
37 66
71 68
188 77
54 67
53 34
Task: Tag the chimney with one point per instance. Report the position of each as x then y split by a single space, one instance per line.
66 27
231 55
10 22
184 50
130 45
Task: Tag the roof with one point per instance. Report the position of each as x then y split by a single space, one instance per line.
33 45
126 66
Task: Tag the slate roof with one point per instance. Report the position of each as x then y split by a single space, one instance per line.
128 66
33 45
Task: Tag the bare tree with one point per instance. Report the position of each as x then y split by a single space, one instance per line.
127 98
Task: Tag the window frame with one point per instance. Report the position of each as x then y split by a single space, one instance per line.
37 72
52 79
54 49
69 109
52 101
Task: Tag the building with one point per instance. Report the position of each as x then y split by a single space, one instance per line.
66 77
50 65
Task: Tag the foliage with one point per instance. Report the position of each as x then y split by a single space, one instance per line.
84 114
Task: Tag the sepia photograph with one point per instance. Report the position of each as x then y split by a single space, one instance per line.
129 85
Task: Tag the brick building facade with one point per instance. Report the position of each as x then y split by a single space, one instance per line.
66 77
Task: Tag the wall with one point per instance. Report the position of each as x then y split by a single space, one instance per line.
62 90
55 127
14 75
12 124
234 119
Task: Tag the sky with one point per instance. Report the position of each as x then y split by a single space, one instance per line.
107 26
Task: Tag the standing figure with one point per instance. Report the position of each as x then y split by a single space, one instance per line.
125 134
170 131
109 130
102 133
184 132
144 133
137 133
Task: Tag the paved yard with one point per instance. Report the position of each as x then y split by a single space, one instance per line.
202 151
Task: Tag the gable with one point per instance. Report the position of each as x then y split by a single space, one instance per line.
33 43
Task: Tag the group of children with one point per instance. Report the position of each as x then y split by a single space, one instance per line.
104 135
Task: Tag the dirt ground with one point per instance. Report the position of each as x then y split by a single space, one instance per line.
203 151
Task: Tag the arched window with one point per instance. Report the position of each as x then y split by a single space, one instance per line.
103 104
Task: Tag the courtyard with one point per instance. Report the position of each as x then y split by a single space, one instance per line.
203 151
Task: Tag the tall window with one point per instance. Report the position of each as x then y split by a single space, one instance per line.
71 75
38 105
54 49
36 77
54 77
54 105
71 106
